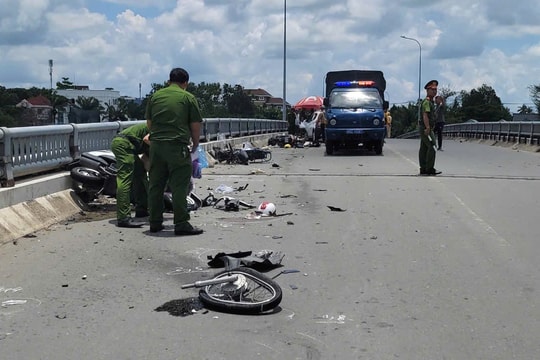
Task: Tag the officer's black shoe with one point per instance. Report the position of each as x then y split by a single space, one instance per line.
129 223
423 172
156 228
141 213
433 172
188 230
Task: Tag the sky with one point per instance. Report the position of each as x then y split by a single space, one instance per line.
123 43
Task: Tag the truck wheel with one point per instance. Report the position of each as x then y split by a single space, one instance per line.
329 147
379 147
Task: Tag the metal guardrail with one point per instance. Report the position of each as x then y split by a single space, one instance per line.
35 149
527 132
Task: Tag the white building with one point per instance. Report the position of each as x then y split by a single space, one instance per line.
105 97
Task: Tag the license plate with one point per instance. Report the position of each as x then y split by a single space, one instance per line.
354 131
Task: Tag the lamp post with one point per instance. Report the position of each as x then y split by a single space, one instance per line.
419 72
284 109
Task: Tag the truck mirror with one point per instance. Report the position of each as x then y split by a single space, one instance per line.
326 102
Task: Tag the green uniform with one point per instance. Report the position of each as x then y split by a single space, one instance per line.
131 177
426 154
171 110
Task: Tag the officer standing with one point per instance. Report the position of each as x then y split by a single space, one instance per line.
131 177
426 154
439 125
174 121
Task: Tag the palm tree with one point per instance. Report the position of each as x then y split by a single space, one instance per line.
524 109
88 103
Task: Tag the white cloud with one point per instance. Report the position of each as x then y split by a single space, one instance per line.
464 43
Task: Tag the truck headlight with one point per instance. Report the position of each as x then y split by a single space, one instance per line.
332 122
376 121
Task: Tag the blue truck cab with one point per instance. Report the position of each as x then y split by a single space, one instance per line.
354 109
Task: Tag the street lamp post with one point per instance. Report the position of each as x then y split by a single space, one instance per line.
284 109
419 73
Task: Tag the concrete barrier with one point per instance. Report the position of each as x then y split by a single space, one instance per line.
29 216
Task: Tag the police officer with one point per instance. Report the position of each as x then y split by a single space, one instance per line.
131 176
426 155
174 120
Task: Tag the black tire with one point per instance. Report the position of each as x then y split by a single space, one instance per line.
329 147
379 147
261 294
87 176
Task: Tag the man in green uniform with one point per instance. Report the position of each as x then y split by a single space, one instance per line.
131 177
174 120
426 154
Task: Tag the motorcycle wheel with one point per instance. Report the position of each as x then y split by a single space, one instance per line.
252 293
87 176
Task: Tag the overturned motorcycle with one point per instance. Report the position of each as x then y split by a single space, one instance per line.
94 174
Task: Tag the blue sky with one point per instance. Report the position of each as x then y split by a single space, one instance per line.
121 43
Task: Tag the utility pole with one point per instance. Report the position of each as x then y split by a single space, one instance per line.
50 70
284 110
419 73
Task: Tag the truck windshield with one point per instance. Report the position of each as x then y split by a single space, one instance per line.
356 98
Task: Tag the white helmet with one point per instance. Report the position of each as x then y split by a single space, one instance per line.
267 209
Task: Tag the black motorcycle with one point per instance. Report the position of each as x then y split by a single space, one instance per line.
94 174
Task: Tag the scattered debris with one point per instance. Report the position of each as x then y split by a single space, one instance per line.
224 189
333 208
262 261
242 188
182 307
228 203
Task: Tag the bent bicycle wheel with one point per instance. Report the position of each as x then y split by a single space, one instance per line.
251 293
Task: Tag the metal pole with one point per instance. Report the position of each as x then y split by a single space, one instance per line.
50 70
284 109
419 73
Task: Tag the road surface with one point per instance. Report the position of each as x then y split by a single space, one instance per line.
414 268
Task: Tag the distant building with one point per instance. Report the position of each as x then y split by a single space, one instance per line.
261 97
36 111
72 113
105 97
525 117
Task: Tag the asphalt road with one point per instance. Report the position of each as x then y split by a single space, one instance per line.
414 268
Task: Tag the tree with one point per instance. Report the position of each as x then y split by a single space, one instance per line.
64 84
483 104
88 103
209 97
58 102
524 109
534 91
237 101
88 111
404 118
6 119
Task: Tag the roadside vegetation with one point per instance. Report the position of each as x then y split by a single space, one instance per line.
223 101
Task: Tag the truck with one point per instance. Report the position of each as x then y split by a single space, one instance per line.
354 107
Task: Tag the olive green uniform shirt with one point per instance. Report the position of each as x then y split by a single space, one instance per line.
427 107
171 110
135 134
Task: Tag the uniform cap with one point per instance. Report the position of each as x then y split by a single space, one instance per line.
431 84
